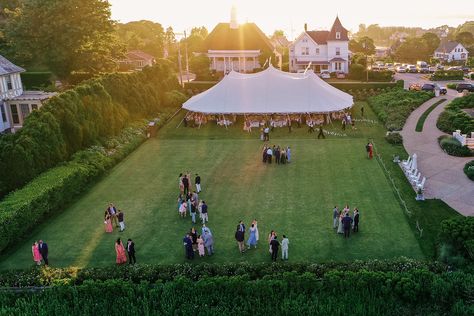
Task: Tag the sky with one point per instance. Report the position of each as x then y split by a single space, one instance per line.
290 15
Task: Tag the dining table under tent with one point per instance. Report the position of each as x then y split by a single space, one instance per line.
270 97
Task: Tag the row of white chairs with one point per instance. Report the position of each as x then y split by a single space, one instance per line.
413 174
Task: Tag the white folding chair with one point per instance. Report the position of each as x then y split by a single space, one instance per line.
406 162
421 185
413 174
416 179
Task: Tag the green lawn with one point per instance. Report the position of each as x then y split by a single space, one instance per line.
295 199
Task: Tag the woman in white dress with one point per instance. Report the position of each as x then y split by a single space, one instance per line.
340 230
256 229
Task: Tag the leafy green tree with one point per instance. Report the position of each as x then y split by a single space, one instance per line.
432 41
65 35
413 49
195 40
465 38
199 65
364 45
143 35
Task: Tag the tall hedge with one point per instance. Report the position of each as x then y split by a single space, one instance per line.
81 117
454 118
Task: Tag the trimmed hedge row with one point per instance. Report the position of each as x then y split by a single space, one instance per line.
36 80
453 147
459 233
417 292
21 210
422 118
81 117
442 75
454 118
394 107
469 170
166 273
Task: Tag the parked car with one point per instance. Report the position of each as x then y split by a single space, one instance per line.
390 67
414 87
325 75
411 69
340 75
465 86
455 68
432 69
401 69
432 86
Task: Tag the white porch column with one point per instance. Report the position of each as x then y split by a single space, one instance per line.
214 63
240 67
254 63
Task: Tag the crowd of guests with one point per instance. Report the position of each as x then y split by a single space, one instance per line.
343 222
194 242
279 155
113 216
188 200
39 250
121 252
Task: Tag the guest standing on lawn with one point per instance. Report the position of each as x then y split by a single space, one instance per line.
108 224
269 155
120 252
182 209
120 217
208 242
43 249
180 183
240 237
197 182
284 248
200 243
188 247
113 214
36 253
205 229
371 150
274 244
131 252
367 149
288 154
185 184
204 213
321 132
356 220
346 222
335 217
256 229
252 241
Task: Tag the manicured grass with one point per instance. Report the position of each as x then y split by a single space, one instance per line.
295 199
421 120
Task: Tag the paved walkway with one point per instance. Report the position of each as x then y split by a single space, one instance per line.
445 178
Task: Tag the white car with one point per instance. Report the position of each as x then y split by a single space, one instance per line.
325 75
401 69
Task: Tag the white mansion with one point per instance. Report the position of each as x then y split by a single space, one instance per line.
325 50
16 104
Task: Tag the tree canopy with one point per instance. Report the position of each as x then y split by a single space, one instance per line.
364 45
143 35
64 35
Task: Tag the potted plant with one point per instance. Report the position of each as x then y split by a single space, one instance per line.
419 195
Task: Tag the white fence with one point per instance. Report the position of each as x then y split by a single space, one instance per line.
464 140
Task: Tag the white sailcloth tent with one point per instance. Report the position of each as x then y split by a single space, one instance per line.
270 92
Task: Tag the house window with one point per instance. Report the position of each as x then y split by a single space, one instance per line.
305 40
34 107
25 110
338 51
9 82
317 51
4 115
324 67
338 35
15 117
304 50
337 66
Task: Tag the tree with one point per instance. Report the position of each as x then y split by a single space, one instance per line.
431 40
412 50
65 35
143 35
465 38
199 65
364 45
195 40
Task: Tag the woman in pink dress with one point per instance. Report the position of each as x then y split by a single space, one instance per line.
120 251
200 243
108 224
371 151
36 253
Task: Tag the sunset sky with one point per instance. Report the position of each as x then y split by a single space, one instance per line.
291 15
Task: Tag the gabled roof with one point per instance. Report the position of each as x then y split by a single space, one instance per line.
7 67
320 37
247 36
337 27
139 55
446 46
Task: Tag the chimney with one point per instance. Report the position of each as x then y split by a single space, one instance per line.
233 18
306 27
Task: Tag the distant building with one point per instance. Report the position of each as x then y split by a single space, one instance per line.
136 60
382 52
233 46
16 104
451 51
325 50
399 36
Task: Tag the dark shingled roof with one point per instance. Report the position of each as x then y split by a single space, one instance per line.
320 37
337 27
446 46
247 36
7 67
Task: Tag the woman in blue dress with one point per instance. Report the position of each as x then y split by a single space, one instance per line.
252 241
288 154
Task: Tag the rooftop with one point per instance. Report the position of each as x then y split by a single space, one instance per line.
7 67
33 95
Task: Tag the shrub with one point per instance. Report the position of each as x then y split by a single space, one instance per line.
451 86
454 118
442 75
394 138
453 147
23 209
456 232
469 170
394 107
36 80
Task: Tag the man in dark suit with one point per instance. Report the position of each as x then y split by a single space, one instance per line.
356 221
240 237
185 181
274 244
346 223
188 246
131 252
43 249
241 226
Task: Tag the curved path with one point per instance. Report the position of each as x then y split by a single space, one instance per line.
445 178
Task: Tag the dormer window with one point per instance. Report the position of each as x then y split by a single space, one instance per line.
338 35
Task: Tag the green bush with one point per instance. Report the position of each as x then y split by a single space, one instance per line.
456 232
454 118
451 86
453 147
417 292
36 80
394 138
469 170
23 209
81 117
442 75
394 107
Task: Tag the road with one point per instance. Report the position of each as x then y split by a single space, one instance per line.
410 79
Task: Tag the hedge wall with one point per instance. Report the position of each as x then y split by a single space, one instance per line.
394 107
81 117
50 192
442 75
36 80
454 118
416 292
